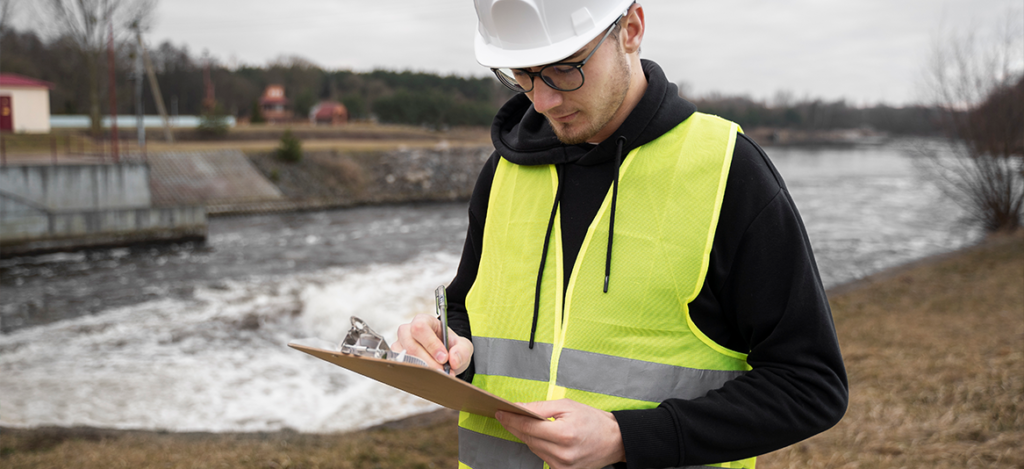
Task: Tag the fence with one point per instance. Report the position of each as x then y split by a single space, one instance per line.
67 148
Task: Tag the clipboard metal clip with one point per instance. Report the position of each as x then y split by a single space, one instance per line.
361 341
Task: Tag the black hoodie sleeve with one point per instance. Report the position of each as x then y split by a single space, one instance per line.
763 296
458 318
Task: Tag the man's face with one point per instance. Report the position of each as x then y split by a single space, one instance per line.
578 116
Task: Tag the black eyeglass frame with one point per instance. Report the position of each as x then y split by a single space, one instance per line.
515 86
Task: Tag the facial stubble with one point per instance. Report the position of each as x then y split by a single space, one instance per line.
616 88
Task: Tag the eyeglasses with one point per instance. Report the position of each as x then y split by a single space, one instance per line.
562 76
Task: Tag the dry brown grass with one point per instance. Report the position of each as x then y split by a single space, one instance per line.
354 137
935 356
347 170
424 442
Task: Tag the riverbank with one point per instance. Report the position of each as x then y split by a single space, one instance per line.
934 352
233 182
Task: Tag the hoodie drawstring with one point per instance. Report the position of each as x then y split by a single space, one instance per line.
611 219
544 257
551 222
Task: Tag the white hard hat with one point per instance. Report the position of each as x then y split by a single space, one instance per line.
528 33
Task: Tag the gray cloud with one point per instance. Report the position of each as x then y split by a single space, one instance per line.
865 51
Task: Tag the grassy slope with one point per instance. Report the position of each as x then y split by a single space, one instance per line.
935 356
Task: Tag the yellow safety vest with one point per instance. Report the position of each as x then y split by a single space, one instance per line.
630 348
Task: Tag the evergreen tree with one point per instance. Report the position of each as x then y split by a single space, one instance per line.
290 149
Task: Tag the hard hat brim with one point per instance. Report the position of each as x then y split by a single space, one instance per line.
491 56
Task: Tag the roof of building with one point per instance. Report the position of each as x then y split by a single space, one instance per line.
13 79
273 94
328 109
266 100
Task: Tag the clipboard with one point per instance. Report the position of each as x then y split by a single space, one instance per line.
428 383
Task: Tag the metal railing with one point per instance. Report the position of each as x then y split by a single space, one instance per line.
34 149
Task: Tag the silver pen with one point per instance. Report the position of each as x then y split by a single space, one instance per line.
442 313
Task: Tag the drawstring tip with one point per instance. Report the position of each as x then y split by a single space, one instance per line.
606 284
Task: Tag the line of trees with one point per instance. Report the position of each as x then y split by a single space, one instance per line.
815 114
390 96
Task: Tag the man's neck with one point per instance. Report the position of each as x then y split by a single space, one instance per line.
637 88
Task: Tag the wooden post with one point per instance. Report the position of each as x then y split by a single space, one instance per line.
155 88
113 96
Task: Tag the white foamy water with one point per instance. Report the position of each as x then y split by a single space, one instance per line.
219 361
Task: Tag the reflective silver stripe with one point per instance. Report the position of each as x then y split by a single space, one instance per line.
512 358
481 451
636 379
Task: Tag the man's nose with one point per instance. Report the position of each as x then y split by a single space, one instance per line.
544 97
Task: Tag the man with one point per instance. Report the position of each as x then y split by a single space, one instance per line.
634 270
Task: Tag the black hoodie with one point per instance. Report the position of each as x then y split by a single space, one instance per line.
762 294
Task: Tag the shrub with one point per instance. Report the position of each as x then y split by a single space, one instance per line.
256 114
213 123
290 149
979 88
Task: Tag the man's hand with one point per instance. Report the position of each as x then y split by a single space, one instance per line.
580 436
422 338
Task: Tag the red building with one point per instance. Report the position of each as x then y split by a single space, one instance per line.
24 104
328 112
274 106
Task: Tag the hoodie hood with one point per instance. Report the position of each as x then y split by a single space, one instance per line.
523 136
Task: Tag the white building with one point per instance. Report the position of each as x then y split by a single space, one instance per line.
24 104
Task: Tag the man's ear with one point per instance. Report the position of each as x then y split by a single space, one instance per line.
633 29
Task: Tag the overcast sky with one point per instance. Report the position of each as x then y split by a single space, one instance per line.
865 51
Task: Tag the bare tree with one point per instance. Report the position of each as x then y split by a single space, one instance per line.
87 23
7 11
976 81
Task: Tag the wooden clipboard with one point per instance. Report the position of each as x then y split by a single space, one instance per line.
428 383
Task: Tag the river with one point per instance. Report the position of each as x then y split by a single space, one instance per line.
192 337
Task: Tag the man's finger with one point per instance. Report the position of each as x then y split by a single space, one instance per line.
527 428
422 338
426 331
412 340
580 436
546 409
